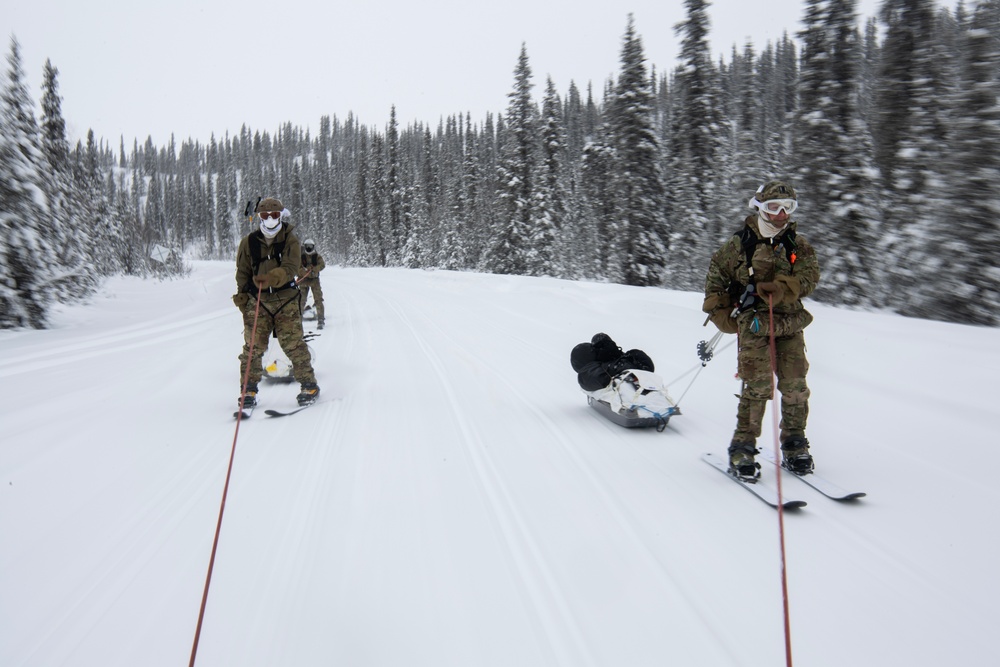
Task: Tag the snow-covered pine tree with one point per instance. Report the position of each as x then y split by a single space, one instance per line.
970 289
909 149
422 243
638 181
867 72
67 235
394 187
469 202
549 210
25 295
599 225
378 200
362 249
813 127
572 264
515 188
833 154
697 225
126 247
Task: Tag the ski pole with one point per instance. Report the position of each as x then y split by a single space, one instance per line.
706 349
251 209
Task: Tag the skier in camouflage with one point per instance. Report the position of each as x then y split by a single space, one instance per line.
313 262
767 259
267 262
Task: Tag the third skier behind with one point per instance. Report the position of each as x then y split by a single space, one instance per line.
312 262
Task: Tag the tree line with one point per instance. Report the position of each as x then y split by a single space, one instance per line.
889 131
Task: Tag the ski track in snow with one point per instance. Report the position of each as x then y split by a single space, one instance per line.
607 495
129 338
546 603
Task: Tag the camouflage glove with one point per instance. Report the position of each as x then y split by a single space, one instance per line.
273 278
793 288
241 299
775 290
726 324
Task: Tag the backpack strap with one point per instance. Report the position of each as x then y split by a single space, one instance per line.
255 246
749 240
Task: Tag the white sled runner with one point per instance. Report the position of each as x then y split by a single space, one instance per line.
635 399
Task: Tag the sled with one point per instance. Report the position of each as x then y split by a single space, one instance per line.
635 399
277 367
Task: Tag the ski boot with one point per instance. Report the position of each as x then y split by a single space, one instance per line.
321 323
249 398
741 462
795 455
308 394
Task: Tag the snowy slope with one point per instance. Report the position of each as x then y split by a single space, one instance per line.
453 500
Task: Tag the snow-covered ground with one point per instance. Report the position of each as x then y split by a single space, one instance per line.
453 501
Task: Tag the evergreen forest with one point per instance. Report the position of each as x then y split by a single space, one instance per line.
889 130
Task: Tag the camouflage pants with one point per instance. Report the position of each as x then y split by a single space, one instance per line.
754 361
317 290
283 318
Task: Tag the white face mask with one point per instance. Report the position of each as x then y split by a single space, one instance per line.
767 229
270 232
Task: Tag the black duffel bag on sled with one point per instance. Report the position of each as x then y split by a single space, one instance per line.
622 386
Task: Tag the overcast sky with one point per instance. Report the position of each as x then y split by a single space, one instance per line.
194 67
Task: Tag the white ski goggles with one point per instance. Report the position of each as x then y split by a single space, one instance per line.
773 206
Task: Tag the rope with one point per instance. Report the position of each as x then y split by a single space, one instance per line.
777 474
225 489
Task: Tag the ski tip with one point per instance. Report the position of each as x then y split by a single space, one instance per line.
793 504
852 496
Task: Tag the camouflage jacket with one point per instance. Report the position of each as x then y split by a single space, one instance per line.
314 263
728 275
291 255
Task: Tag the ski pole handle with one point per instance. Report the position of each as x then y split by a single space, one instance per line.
251 208
746 300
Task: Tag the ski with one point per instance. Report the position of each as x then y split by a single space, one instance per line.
824 486
766 493
245 414
276 413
